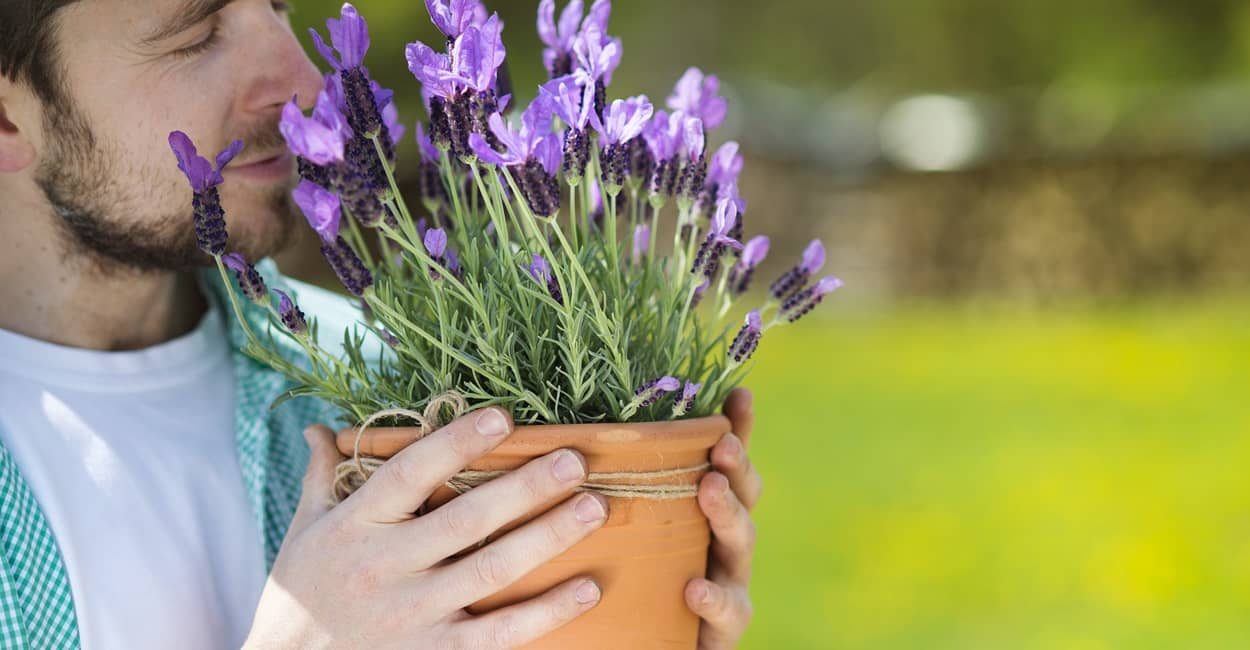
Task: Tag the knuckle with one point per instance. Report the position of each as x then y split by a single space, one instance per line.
557 533
750 534
462 444
456 523
490 568
534 481
400 474
506 632
746 610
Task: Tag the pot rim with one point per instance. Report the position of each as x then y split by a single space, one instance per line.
592 438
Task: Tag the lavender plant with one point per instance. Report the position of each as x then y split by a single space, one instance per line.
535 277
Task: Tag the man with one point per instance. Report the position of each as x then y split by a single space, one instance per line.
148 496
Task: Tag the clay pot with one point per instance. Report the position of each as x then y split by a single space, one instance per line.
644 554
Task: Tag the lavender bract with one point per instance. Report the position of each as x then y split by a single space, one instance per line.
696 95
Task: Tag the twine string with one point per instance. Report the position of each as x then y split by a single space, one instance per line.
352 473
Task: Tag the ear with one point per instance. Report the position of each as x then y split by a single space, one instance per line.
16 150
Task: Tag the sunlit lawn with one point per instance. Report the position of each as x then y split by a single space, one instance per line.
978 478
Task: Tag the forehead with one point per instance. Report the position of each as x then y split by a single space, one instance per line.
131 20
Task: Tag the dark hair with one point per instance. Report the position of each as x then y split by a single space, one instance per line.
27 44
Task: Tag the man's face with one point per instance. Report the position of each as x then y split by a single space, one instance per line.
135 70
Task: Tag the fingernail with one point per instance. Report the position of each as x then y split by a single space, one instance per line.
492 423
568 467
701 594
589 509
587 592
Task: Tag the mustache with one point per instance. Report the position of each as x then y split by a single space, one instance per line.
262 140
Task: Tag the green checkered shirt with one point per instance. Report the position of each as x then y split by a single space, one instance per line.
36 606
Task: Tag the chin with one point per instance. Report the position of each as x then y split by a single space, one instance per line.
267 231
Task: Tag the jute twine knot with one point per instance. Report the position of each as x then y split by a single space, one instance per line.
353 472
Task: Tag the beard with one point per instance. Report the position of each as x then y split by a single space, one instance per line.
123 229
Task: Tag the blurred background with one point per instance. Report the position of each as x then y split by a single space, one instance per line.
1024 421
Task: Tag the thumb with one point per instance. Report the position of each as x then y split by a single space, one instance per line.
739 408
318 488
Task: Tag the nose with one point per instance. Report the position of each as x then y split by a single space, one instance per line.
284 70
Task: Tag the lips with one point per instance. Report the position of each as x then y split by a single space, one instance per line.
275 167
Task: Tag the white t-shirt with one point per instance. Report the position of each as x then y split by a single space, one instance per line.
132 458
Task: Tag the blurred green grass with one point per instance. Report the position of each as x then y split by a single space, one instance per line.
974 477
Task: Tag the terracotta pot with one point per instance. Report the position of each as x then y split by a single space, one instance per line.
644 554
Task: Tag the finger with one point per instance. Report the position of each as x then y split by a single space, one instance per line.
522 623
733 532
473 516
318 488
725 613
494 567
730 458
739 408
399 487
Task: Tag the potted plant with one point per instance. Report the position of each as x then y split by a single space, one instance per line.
580 264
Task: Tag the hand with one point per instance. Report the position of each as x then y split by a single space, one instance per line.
726 496
370 574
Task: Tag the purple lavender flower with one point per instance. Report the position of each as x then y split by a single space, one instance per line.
695 94
752 254
558 37
748 338
623 121
209 217
435 241
250 282
321 208
651 392
291 315
361 179
693 174
461 87
699 292
347 265
477 54
453 17
540 270
804 301
708 259
642 241
574 104
663 136
320 139
432 69
722 176
686 402
597 56
533 151
389 338
350 37
794 279
519 145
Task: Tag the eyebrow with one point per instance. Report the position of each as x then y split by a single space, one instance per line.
190 15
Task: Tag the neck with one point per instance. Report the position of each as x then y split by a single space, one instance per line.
53 291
